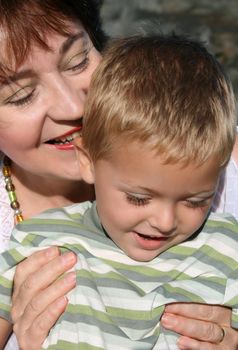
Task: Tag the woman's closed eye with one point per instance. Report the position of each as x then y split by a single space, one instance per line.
78 62
21 97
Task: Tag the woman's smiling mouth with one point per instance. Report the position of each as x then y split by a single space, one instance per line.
65 139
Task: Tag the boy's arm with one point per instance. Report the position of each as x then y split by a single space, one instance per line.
5 331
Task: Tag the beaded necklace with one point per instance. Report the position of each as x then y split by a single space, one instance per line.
10 188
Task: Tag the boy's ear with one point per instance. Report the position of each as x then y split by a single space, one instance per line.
84 161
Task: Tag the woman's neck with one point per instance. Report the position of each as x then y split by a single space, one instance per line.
36 194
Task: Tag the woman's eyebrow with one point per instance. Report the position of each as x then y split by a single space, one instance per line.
27 73
70 40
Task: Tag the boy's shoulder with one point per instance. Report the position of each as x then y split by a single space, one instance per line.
222 226
69 212
55 218
51 223
72 210
215 242
225 219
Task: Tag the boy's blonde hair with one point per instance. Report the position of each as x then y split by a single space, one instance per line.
166 92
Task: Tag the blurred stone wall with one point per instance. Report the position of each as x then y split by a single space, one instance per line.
215 22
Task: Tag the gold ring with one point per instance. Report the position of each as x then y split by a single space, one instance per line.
223 333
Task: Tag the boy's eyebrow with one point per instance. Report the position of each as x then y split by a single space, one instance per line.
206 194
70 40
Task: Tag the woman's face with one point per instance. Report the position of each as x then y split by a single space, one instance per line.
41 109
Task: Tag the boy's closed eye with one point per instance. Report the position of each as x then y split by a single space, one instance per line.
137 200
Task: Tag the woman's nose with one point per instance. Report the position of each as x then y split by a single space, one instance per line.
66 100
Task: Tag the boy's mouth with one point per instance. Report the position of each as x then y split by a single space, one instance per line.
150 242
147 237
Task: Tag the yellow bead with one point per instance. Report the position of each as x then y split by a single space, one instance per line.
19 218
10 188
6 171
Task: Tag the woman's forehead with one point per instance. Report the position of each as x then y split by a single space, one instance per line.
54 42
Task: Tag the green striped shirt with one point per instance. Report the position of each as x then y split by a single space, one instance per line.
118 302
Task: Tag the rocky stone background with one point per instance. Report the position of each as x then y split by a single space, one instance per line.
215 22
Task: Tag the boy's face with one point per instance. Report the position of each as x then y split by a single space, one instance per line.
146 206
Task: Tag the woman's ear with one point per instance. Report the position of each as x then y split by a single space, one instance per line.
85 163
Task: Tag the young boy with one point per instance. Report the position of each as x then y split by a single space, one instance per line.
159 128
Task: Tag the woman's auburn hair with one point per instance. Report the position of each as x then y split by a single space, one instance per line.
164 91
24 23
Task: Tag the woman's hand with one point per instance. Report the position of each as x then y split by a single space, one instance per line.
39 296
205 332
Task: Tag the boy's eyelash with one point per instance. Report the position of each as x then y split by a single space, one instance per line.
196 204
138 201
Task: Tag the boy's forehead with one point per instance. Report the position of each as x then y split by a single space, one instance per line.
136 165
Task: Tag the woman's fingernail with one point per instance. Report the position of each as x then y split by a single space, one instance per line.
52 252
62 301
183 343
68 258
167 321
70 278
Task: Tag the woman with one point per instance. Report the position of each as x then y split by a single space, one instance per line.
49 52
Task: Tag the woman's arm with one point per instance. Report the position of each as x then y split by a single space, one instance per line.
39 296
5 331
203 332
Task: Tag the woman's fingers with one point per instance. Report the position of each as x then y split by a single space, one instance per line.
32 338
39 295
197 329
205 332
230 342
213 313
32 264
44 299
36 282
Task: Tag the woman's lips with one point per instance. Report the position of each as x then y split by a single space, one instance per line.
70 132
65 139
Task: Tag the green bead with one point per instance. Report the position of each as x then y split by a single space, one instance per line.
12 196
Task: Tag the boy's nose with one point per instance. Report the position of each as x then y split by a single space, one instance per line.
164 220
